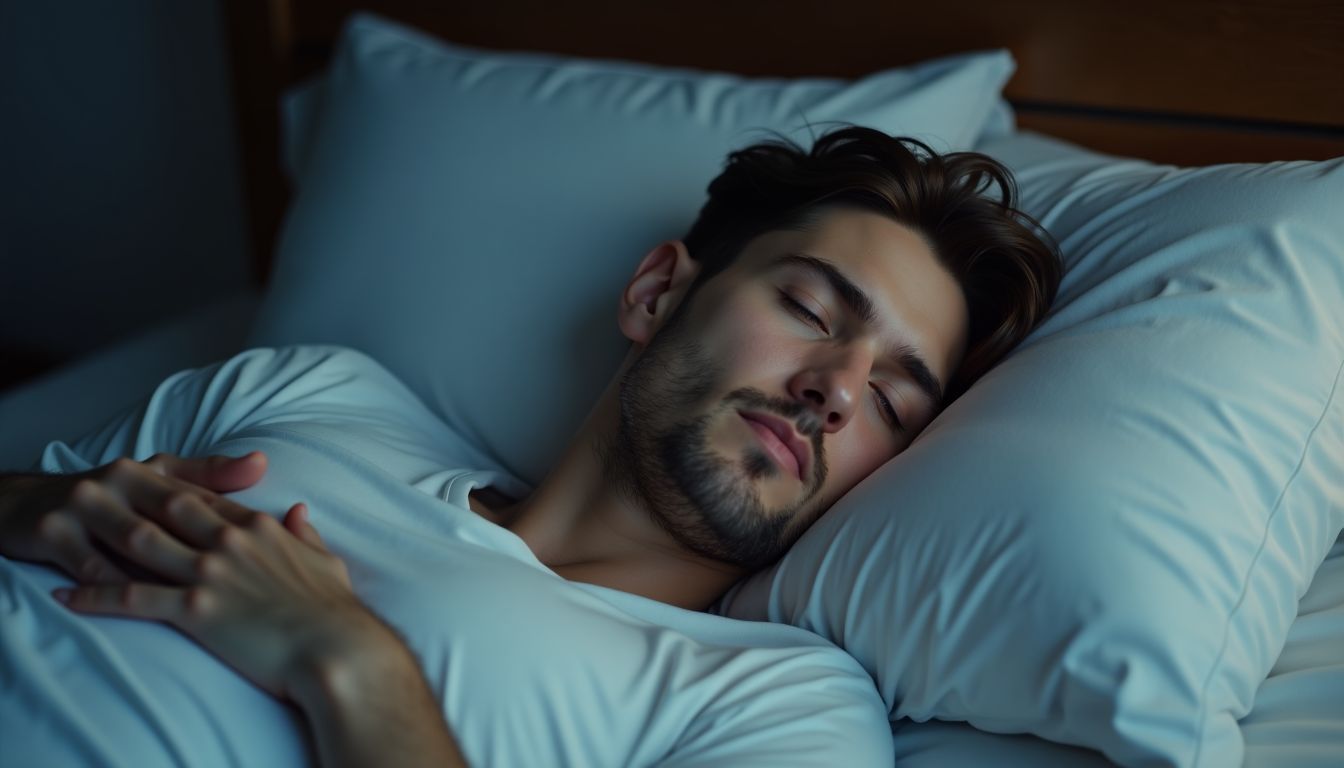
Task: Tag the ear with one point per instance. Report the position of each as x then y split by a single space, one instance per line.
659 285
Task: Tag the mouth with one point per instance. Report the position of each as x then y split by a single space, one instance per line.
788 449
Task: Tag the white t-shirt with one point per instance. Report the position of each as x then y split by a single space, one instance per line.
530 669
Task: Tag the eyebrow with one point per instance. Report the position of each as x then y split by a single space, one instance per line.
860 304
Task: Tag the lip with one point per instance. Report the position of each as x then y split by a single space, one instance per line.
802 452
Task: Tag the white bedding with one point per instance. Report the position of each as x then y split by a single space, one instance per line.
528 667
1128 508
70 401
1297 720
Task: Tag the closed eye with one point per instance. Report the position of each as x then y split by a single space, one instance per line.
891 412
806 314
811 318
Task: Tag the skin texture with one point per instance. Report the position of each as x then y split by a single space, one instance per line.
665 491
263 594
56 519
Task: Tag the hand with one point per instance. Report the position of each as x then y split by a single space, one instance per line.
86 523
266 597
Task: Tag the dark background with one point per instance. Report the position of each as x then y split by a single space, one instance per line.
122 203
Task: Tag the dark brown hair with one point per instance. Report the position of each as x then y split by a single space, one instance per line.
963 203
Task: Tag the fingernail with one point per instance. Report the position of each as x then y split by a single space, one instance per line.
63 595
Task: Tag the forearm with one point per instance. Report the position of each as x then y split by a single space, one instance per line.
21 491
370 705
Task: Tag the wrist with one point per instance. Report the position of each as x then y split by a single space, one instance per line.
351 655
368 704
12 486
20 491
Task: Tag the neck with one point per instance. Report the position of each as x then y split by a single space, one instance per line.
584 526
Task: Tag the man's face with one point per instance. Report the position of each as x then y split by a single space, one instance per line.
695 440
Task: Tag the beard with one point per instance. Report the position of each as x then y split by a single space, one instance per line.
662 460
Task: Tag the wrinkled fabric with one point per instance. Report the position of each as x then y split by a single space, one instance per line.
529 669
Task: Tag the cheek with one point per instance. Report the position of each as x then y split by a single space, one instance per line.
753 347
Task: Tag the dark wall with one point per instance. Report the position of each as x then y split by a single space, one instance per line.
119 173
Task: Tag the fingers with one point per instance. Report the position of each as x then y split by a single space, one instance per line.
217 473
127 533
296 522
147 488
230 510
136 600
205 477
182 512
194 521
133 520
72 551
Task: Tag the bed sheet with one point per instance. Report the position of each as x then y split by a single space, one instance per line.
75 399
615 678
1297 720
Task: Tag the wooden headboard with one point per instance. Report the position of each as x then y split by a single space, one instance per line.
1190 82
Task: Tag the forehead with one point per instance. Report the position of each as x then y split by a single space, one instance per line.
915 299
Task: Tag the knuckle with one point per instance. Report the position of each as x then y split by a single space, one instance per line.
209 566
138 536
231 539
198 602
179 502
173 512
233 512
129 596
262 523
124 466
86 490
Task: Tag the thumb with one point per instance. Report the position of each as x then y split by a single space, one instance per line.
296 522
217 473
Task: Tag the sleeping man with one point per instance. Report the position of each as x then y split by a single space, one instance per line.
822 309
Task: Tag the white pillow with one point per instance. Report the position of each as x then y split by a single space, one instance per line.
1104 541
468 218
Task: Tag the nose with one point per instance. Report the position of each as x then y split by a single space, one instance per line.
833 387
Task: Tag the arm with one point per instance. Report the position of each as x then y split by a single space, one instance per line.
271 601
17 486
205 558
372 707
86 530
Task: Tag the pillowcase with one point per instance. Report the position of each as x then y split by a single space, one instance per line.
469 217
1104 541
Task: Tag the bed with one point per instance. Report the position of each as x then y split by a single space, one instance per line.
1189 84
